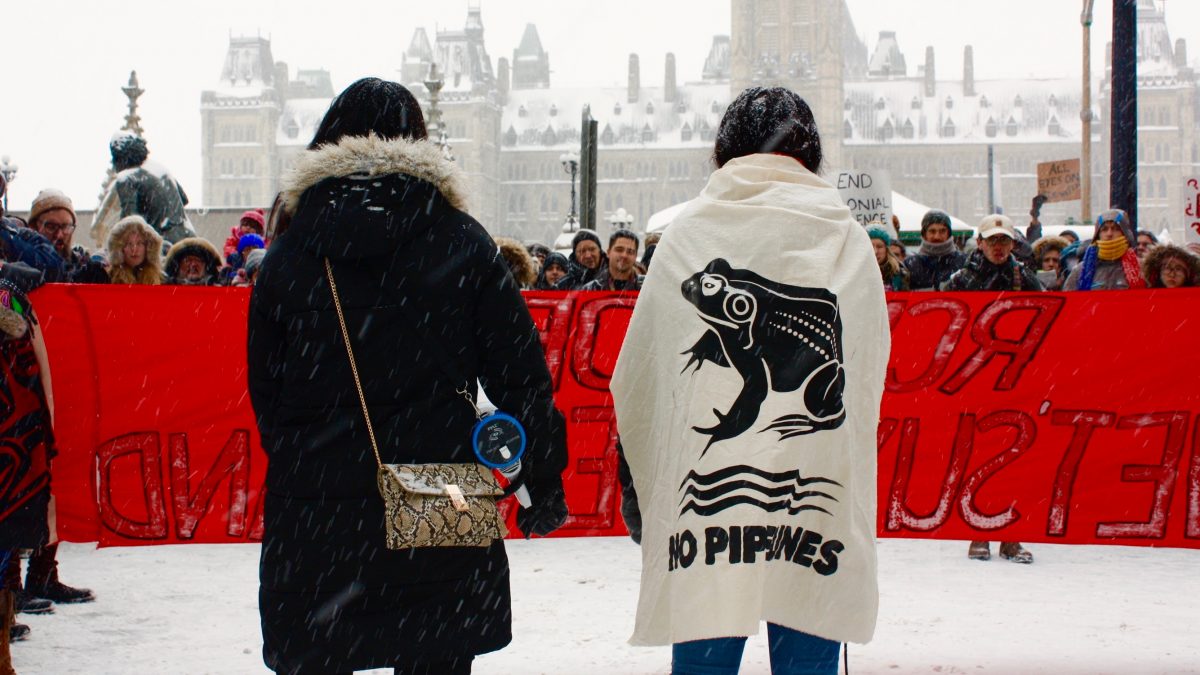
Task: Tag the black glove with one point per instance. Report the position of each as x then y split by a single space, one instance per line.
547 514
631 513
1038 201
22 277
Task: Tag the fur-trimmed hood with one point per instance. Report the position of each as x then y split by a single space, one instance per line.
1160 254
197 246
520 263
365 197
374 156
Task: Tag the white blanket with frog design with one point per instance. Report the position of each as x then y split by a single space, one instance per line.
747 396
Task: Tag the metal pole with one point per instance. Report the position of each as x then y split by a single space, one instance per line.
574 172
1123 174
1085 114
585 167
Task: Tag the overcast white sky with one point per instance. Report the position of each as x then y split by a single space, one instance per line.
66 61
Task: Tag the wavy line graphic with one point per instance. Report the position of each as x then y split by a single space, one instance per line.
708 494
720 475
770 507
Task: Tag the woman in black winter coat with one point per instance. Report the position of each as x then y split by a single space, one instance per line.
377 199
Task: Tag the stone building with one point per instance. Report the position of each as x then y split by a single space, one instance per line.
931 129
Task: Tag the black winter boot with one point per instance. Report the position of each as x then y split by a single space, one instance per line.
24 602
43 582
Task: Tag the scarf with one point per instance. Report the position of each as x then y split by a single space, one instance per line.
941 250
1112 250
1129 265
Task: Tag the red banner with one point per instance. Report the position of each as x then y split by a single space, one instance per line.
1033 417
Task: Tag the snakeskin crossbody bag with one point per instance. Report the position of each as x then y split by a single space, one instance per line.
429 504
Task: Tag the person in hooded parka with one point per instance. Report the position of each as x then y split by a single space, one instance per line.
747 395
377 200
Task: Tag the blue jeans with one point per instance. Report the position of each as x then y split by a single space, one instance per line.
792 653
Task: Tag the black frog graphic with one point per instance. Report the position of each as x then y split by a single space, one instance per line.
778 338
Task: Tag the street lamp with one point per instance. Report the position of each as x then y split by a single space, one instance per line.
570 164
8 169
1085 114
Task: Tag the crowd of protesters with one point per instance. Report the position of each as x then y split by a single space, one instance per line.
147 240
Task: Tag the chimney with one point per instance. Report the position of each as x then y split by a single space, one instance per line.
1181 53
930 75
669 82
503 79
635 79
280 78
968 71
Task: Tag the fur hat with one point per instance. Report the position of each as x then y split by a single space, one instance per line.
248 240
128 227
1049 243
256 216
197 246
48 200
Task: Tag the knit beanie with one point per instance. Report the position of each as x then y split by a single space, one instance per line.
248 240
584 235
935 217
49 200
880 234
254 261
256 216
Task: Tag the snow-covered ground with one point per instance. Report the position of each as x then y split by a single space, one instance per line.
192 609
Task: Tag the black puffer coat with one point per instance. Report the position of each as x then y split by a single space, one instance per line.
332 597
929 272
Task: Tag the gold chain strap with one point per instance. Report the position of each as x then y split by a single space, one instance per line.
337 304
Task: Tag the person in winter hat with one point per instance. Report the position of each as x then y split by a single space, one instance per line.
253 221
891 271
141 188
553 270
193 262
519 261
539 251
1110 262
249 272
756 351
938 258
235 261
53 216
135 253
415 275
1047 256
992 266
1145 242
27 260
1171 266
586 260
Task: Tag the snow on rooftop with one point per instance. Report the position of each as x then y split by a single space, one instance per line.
535 119
299 120
1000 111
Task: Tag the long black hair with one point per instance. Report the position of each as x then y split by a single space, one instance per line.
371 106
763 120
